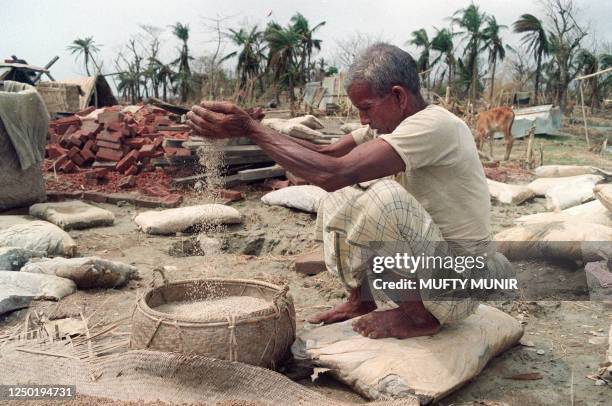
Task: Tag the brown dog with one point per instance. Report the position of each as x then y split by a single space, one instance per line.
491 121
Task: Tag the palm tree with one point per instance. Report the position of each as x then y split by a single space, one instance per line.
284 46
250 56
537 42
420 39
87 48
302 27
181 31
493 44
443 43
471 19
589 64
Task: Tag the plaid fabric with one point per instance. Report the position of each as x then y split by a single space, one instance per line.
383 211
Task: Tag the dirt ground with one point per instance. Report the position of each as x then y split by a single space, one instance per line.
265 246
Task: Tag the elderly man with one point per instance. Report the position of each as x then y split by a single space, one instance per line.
434 189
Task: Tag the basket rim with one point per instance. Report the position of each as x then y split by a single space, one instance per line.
166 318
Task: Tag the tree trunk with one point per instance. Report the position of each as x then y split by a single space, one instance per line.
492 81
537 78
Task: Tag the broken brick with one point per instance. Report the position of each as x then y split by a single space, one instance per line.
107 154
135 142
115 126
127 182
108 144
88 156
109 116
170 151
104 135
127 161
54 151
132 170
311 263
229 195
158 191
92 127
146 151
72 152
183 152
68 167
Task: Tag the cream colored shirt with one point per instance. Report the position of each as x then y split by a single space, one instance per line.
443 171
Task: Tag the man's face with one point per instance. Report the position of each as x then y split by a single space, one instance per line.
381 113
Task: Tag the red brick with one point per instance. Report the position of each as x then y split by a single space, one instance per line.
182 152
62 159
92 127
72 152
87 155
109 136
98 173
311 263
107 154
170 151
109 116
68 167
78 160
229 195
115 126
133 129
146 151
132 170
108 144
54 151
173 200
90 145
73 128
135 142
127 181
158 191
127 161
158 141
150 134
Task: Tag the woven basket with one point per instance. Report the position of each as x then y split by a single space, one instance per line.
261 338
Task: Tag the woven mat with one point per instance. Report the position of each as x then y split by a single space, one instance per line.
157 376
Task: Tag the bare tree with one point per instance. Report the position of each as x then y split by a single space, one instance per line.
348 48
566 36
216 28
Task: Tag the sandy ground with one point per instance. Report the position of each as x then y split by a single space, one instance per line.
264 247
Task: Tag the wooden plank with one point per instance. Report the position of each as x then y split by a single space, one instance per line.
189 179
177 128
261 173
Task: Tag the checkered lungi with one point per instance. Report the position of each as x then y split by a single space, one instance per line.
350 219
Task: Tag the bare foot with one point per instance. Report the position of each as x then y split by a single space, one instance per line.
353 307
396 323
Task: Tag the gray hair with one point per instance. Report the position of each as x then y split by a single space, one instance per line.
384 66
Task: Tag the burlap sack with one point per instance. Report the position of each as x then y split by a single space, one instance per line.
305 197
73 214
18 187
509 194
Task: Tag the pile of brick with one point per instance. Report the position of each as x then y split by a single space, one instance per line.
125 140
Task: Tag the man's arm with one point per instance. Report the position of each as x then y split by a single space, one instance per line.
371 160
343 146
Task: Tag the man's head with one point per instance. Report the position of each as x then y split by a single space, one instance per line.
383 84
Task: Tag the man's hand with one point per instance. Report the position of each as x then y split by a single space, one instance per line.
221 120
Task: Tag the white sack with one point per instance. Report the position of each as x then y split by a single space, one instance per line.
292 129
556 240
309 121
304 197
13 258
349 127
39 236
542 185
180 219
509 194
569 195
87 272
17 289
603 193
559 171
591 212
428 367
72 215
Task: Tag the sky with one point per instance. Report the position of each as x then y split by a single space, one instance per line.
38 30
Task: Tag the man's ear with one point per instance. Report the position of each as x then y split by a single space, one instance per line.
401 96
